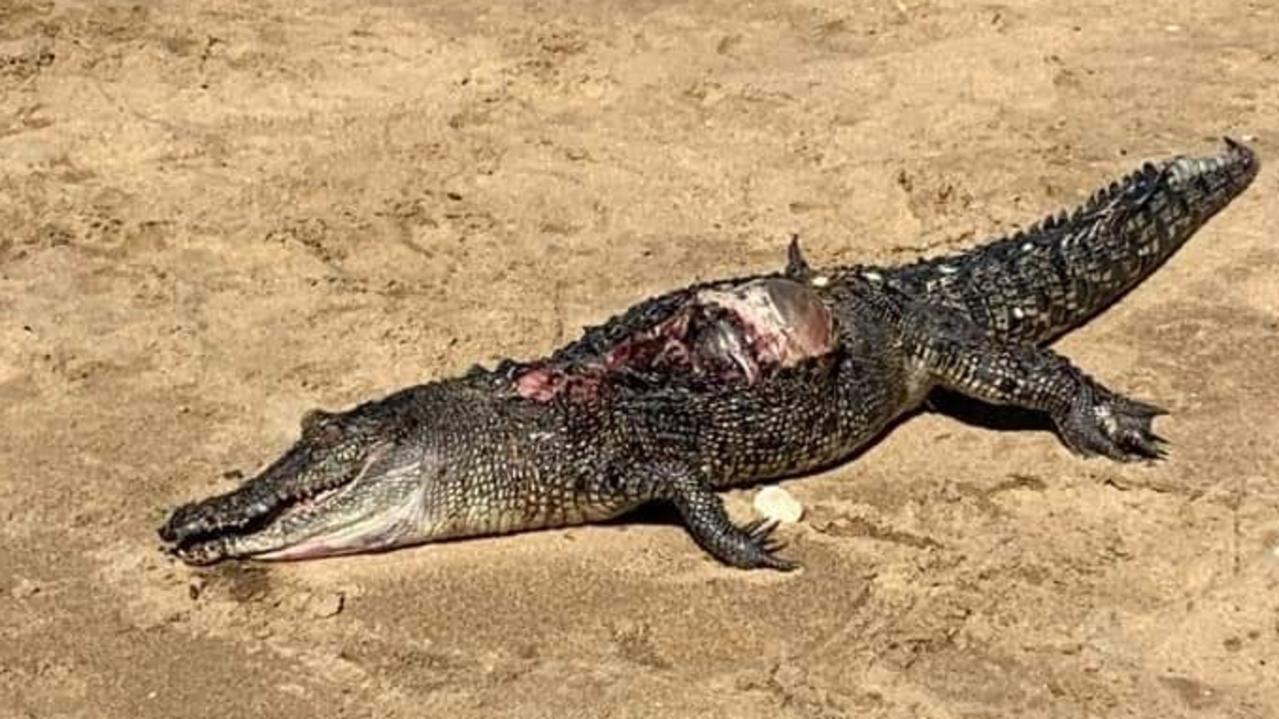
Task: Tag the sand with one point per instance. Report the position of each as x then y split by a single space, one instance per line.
217 215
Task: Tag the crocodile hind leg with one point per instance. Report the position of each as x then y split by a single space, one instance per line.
750 546
1092 420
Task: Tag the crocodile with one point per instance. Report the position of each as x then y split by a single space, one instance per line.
727 383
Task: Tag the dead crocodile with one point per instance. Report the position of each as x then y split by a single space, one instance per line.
723 384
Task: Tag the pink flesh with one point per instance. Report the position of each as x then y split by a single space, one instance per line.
309 549
540 384
786 322
777 323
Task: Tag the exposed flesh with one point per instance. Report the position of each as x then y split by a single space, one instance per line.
736 334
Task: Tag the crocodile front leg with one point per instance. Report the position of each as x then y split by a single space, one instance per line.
957 354
750 546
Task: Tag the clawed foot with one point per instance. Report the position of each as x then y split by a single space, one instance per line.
750 546
1101 422
757 548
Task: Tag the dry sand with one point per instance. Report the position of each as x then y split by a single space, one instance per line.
216 215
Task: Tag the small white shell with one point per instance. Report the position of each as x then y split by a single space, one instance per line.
779 505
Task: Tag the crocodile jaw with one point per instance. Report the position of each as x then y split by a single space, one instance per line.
397 521
381 507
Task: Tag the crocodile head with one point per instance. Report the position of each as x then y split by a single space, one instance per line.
347 485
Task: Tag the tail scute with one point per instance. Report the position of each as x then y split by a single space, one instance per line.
1052 276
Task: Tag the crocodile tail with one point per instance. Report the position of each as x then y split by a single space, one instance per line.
1040 282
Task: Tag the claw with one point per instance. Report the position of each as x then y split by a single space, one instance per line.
759 534
761 528
1139 408
772 561
1105 423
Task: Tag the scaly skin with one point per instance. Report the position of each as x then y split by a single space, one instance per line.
723 384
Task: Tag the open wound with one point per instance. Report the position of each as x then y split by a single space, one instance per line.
720 337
